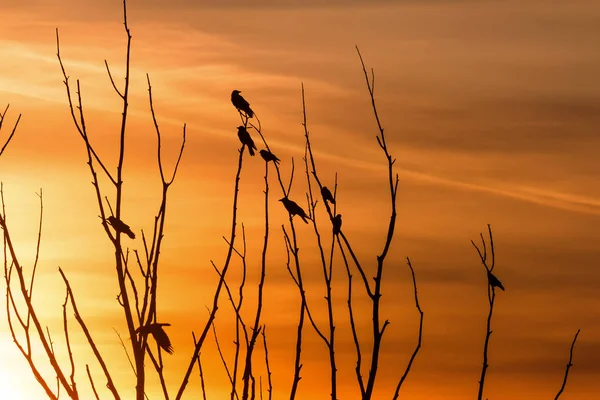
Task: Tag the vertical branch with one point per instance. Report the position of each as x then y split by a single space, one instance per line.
327 271
393 180
489 266
237 307
270 387
263 271
419 340
214 330
239 322
336 238
200 371
37 247
568 367
68 343
79 121
150 299
357 369
137 345
291 247
89 375
298 281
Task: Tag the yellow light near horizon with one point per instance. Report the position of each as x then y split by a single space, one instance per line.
15 386
8 392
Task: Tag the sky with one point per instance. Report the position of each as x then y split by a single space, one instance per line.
491 108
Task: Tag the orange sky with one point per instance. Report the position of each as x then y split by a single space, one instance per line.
491 108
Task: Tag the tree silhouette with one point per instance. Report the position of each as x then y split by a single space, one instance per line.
137 272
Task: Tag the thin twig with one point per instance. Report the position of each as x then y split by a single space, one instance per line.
87 370
263 271
2 115
419 340
491 300
200 371
264 335
223 361
568 367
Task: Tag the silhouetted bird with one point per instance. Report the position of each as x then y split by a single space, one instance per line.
294 209
120 226
159 334
327 196
494 282
268 156
246 139
337 224
240 103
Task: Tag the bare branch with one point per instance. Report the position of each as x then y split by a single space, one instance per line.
200 370
87 370
2 115
393 185
419 340
264 335
491 300
68 344
214 330
568 367
327 270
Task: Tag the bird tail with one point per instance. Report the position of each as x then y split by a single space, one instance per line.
130 234
250 112
168 348
251 150
303 219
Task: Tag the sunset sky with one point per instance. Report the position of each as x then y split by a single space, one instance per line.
492 109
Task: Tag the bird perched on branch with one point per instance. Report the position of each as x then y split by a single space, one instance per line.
494 282
157 331
268 156
337 224
294 209
120 226
245 138
327 196
241 104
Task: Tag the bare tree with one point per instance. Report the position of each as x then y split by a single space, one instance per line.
137 271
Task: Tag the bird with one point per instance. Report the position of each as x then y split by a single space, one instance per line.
120 226
246 139
494 282
337 224
157 331
240 103
268 156
294 209
327 196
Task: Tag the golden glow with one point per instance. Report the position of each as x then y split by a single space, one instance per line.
491 110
